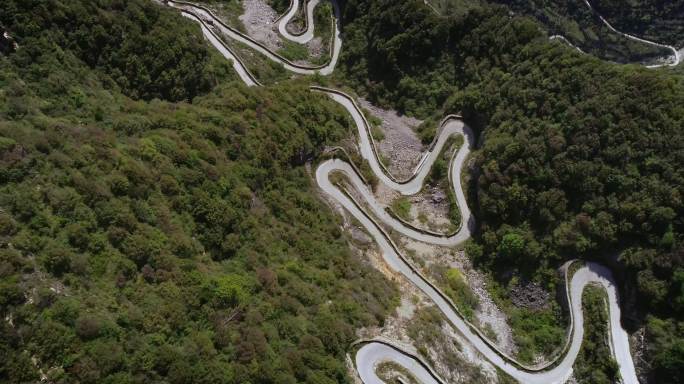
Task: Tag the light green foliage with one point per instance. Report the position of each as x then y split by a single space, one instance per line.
402 207
460 292
184 241
511 245
594 363
667 347
536 332
230 290
389 371
579 157
293 51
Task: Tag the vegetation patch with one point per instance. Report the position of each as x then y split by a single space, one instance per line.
459 291
165 241
294 51
538 331
401 206
390 372
595 363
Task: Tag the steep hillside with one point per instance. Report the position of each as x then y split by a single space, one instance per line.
578 156
659 20
157 241
162 222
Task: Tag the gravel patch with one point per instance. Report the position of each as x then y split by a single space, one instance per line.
401 145
488 313
259 20
316 48
530 295
433 205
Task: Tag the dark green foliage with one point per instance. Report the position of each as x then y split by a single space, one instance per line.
584 28
281 6
597 170
152 241
537 332
146 49
659 20
403 54
594 364
667 351
580 157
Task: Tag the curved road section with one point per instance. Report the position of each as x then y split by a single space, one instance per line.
372 353
558 371
671 61
239 67
451 126
675 59
309 32
205 16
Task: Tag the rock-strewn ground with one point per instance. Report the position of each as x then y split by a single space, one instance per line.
259 20
488 315
400 145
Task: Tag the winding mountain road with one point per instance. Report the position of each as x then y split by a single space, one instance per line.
669 61
202 13
450 126
372 352
556 371
674 59
285 20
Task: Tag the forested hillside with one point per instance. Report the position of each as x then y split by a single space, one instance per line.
660 20
144 50
156 241
158 222
580 158
583 27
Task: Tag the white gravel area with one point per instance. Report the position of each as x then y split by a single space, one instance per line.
488 314
451 344
259 20
401 145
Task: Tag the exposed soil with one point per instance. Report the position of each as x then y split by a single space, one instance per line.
430 209
316 47
637 342
401 145
259 20
530 295
487 314
403 149
385 195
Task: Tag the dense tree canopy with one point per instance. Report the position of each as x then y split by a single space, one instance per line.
163 241
579 158
583 27
659 20
166 242
138 44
